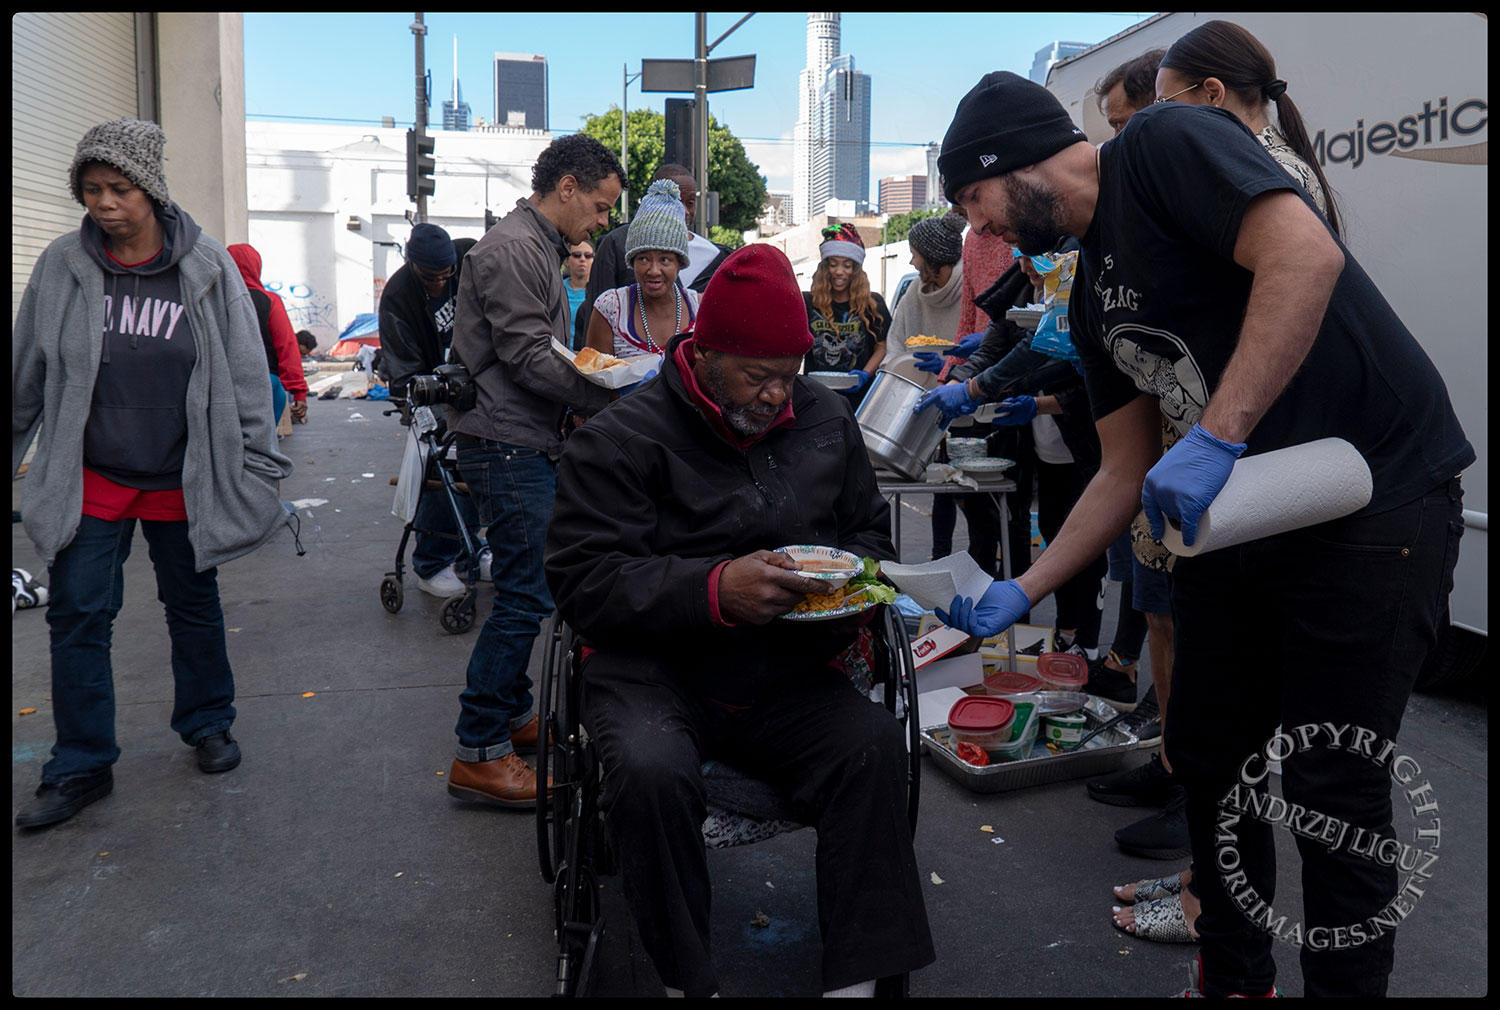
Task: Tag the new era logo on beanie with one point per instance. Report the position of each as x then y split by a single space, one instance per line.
753 307
1005 122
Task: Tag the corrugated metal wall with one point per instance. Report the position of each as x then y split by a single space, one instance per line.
68 72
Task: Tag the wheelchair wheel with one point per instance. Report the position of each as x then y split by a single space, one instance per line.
391 594
458 614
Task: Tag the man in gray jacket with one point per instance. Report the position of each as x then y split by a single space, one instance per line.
511 306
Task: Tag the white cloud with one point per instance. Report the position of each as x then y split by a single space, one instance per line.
774 159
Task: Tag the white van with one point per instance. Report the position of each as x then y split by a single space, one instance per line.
1397 106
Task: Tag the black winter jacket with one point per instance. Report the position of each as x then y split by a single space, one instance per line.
409 336
650 499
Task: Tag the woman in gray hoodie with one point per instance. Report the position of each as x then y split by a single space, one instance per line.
137 367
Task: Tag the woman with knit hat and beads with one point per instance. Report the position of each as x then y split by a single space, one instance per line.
847 319
640 318
137 367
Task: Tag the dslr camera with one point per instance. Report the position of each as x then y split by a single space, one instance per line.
448 384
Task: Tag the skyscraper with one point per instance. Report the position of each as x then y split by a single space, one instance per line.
456 111
521 90
1051 54
831 152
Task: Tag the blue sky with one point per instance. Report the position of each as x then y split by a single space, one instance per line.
360 67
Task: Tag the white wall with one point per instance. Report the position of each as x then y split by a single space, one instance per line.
306 182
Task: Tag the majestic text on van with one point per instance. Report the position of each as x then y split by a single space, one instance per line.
1465 119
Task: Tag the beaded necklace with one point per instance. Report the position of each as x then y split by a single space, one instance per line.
646 324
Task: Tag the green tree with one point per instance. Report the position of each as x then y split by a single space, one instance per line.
899 225
731 173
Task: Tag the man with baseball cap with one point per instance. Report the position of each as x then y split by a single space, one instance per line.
1211 297
669 505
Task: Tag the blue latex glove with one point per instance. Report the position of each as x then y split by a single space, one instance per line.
862 377
1016 410
952 401
967 346
627 390
1187 480
1001 606
930 361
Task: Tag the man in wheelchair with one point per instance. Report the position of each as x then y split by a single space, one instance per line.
659 556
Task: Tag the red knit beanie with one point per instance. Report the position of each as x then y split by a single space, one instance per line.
753 308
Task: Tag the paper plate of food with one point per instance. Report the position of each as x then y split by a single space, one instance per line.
607 370
1027 317
834 380
923 342
854 594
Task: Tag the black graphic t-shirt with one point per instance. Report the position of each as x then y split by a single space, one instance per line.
1159 301
844 342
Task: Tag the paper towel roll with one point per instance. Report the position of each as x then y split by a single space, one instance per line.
1274 492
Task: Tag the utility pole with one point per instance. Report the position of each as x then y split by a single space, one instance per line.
700 117
626 76
419 29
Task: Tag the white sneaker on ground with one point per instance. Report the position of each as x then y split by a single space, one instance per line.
444 584
485 557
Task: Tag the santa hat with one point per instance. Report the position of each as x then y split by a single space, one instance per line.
842 240
753 307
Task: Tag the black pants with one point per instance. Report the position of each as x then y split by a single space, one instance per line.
1328 624
983 516
838 756
1080 600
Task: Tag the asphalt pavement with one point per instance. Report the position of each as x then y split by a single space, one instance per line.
332 862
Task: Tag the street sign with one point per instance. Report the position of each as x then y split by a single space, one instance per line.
732 73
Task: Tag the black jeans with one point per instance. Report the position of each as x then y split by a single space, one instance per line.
1325 625
837 756
1080 601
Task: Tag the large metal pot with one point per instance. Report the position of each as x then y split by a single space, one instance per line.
897 438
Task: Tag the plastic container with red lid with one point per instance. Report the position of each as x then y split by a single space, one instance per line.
1062 671
981 720
1006 682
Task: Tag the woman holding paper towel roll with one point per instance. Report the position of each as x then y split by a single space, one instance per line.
1205 268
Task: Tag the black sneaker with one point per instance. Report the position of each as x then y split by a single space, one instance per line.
218 753
1163 835
1145 721
1114 686
1150 785
55 803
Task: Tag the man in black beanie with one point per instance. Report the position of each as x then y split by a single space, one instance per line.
1212 301
417 308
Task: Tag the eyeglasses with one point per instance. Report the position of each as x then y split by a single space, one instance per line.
581 256
1176 93
432 276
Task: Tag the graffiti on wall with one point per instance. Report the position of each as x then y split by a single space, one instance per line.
307 309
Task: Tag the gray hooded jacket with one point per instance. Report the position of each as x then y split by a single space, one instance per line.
232 466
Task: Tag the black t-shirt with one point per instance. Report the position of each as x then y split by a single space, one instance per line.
1159 301
846 341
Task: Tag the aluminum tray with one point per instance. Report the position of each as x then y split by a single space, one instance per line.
1105 753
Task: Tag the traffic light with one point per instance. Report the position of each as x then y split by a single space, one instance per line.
420 165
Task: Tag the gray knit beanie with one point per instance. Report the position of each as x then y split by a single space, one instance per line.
133 146
659 223
940 240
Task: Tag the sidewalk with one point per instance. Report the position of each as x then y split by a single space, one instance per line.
333 863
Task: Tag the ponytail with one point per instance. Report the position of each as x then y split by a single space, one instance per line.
1290 121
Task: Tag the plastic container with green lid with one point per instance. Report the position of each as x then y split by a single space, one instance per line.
1008 683
1062 671
981 720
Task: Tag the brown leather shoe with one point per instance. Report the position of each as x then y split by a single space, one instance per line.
503 782
524 739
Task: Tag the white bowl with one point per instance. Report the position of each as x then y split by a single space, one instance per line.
965 448
984 465
834 578
834 380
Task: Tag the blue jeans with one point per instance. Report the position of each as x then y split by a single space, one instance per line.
278 397
432 553
88 586
512 487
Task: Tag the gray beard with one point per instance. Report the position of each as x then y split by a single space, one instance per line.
748 420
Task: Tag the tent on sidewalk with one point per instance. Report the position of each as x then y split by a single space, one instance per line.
363 332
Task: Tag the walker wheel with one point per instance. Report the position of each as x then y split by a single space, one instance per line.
391 593
458 614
